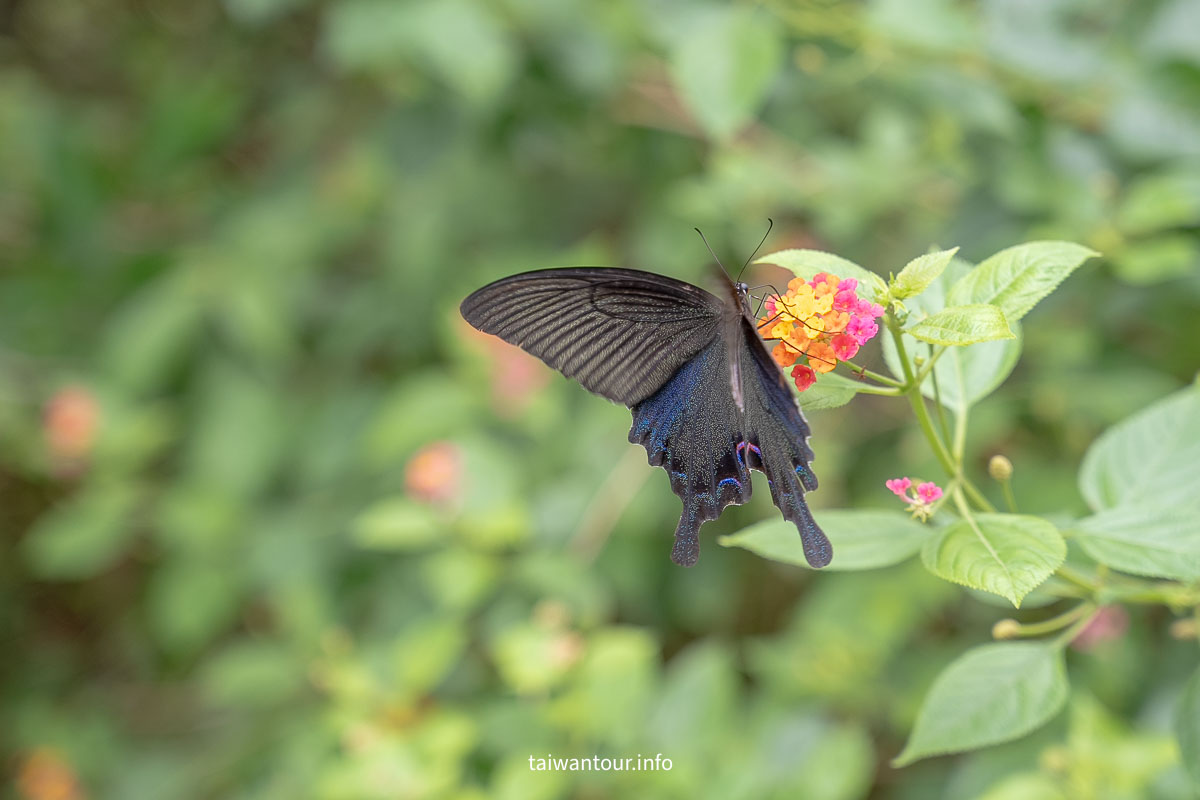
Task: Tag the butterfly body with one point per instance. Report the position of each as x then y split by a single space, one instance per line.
708 402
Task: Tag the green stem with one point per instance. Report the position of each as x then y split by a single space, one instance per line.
875 376
917 400
1015 629
1010 499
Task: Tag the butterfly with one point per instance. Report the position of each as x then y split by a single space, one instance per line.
709 403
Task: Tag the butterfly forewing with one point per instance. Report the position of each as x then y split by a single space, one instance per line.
621 333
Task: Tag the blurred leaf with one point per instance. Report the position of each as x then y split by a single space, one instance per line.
1144 540
613 688
698 701
189 602
807 263
252 674
458 578
724 65
424 654
919 273
963 325
1158 259
860 539
1187 726
397 523
1148 459
85 534
1160 201
1017 278
1005 554
1024 786
990 694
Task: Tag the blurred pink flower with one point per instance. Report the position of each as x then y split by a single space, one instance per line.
898 485
1109 623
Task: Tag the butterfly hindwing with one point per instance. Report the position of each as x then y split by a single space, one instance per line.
619 332
693 429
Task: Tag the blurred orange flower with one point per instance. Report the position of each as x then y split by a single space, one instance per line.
70 423
434 473
45 775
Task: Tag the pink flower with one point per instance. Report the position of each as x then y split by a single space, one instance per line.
804 376
848 284
861 328
920 503
929 492
845 299
845 346
769 306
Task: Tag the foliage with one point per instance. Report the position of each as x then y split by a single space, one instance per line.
277 524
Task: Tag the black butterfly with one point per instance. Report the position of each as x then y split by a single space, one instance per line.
709 403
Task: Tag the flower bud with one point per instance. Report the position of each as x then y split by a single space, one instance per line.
1006 629
1000 468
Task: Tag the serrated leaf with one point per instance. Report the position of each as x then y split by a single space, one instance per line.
919 273
964 374
991 694
1144 540
807 263
1187 727
1017 278
957 326
860 539
1005 554
1149 458
724 67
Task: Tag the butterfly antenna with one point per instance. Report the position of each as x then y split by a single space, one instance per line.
714 255
770 224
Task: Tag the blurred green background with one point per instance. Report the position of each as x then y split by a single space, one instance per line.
276 524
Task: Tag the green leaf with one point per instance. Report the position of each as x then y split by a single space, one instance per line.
1148 459
919 273
964 374
1005 554
807 263
1144 540
1017 278
991 694
963 325
724 65
861 539
830 391
396 523
1187 726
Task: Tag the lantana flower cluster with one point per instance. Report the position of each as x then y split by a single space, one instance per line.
920 502
818 323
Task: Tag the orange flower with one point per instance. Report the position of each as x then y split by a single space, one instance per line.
784 355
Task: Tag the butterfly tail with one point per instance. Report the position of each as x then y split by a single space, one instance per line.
787 492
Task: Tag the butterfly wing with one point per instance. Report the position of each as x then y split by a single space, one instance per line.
621 333
693 428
